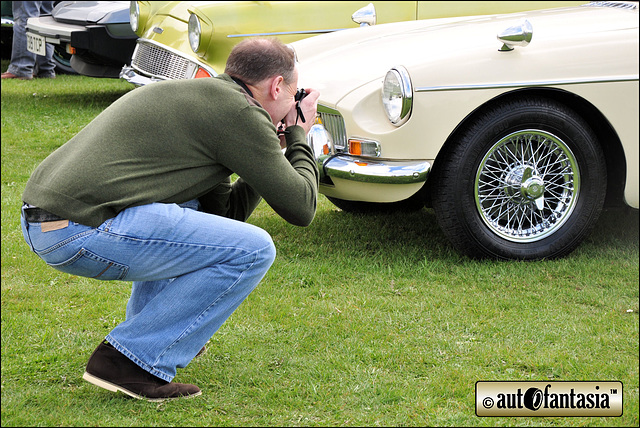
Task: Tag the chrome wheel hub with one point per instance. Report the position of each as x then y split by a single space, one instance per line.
523 186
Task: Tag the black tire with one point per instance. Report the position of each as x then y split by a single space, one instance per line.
525 180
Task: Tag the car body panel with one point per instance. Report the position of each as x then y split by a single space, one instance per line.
94 12
164 24
589 52
401 44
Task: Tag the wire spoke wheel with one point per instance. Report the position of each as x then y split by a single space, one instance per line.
523 179
527 185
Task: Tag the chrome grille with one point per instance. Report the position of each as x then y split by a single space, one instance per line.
156 61
334 124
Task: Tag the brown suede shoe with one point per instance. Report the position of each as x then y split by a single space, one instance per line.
111 370
7 75
201 352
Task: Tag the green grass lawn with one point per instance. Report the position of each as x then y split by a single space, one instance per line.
361 321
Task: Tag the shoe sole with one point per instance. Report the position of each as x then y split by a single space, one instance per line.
115 388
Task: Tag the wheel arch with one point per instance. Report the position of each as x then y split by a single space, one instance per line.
607 137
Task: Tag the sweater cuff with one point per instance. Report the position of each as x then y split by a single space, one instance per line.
295 134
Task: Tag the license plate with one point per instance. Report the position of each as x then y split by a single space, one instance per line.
36 44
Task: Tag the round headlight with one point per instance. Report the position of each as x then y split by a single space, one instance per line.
397 95
134 16
194 32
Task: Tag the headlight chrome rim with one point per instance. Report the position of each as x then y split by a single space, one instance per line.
397 95
194 32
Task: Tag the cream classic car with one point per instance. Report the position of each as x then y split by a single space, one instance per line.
515 128
191 39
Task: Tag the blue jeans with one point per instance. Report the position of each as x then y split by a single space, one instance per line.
191 271
23 62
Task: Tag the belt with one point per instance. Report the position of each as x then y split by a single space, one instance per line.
38 215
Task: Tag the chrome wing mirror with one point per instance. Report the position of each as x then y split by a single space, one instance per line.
365 16
518 35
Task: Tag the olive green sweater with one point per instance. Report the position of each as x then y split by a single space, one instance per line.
172 142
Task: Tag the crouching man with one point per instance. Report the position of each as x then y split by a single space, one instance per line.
116 203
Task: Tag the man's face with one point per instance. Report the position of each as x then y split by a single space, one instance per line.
286 100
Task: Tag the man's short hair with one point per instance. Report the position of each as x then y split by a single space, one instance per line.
254 60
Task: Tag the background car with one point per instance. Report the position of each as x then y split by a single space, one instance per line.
94 36
183 40
60 56
515 128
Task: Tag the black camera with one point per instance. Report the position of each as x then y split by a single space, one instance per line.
300 94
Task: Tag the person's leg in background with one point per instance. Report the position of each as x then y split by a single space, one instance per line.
23 63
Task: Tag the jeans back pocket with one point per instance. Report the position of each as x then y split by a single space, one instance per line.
90 265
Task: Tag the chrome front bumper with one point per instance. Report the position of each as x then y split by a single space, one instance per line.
373 171
129 74
329 144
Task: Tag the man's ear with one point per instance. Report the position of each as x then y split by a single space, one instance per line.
274 88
